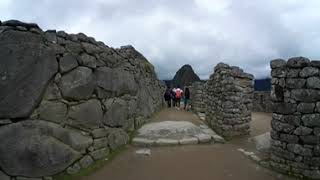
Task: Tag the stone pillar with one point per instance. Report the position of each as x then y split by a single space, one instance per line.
229 100
197 92
295 123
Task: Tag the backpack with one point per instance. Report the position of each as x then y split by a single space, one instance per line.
178 93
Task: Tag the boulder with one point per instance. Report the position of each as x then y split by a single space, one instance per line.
78 84
87 115
26 67
35 149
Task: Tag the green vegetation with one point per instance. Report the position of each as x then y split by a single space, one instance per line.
93 168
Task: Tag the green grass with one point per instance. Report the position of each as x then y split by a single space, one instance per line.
93 168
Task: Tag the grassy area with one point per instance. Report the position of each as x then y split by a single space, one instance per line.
93 168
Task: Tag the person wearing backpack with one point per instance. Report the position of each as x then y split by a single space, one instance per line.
179 93
167 97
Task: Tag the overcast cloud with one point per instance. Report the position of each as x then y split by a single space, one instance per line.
171 33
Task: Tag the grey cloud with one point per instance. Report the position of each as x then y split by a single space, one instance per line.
171 33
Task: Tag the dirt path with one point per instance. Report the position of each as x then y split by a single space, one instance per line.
197 162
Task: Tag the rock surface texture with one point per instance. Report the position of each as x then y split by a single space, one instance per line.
295 145
229 100
198 97
174 133
67 100
185 76
262 101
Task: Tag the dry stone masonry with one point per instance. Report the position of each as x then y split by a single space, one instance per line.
229 100
262 101
67 100
295 144
198 103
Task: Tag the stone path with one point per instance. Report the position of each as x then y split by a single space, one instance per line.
227 161
175 133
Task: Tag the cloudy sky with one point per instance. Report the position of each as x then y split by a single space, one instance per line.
171 33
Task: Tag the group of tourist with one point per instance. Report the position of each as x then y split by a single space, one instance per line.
173 97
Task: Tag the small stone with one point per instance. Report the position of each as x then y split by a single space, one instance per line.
203 138
86 161
146 152
100 154
74 169
218 139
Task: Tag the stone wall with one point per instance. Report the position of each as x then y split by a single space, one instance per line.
262 101
197 92
67 100
229 100
295 123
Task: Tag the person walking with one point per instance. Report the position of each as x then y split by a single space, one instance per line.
179 93
167 97
186 98
173 97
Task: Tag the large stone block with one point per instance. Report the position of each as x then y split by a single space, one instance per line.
53 111
35 149
313 82
298 62
311 120
309 71
305 95
78 84
67 63
117 114
116 81
87 115
26 67
278 63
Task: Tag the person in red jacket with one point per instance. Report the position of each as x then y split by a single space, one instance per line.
179 94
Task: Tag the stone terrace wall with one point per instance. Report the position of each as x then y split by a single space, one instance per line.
262 101
197 91
230 92
295 123
67 100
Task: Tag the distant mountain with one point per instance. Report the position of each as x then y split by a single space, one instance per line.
185 76
262 84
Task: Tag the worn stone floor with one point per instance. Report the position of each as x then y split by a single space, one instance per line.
190 162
